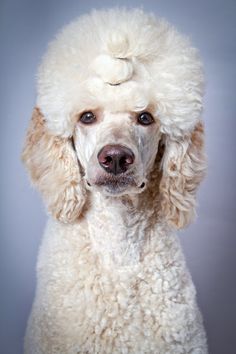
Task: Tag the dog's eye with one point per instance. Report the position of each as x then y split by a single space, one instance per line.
87 118
145 118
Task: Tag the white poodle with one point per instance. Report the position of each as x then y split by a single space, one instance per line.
115 146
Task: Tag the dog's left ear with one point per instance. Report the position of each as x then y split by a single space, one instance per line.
53 168
183 168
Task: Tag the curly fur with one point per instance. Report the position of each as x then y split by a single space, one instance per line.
54 170
111 274
184 167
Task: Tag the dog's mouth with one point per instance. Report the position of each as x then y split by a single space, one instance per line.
117 185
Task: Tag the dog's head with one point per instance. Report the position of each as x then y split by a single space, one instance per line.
119 96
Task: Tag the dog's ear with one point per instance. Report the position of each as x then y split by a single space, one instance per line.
54 170
183 168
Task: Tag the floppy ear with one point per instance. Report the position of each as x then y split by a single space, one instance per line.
54 170
183 168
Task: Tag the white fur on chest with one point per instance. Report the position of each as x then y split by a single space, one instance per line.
115 286
99 296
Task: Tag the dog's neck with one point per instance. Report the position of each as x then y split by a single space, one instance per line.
121 227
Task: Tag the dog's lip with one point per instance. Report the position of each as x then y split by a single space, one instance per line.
114 181
115 184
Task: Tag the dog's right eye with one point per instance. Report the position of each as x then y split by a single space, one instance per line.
145 118
87 118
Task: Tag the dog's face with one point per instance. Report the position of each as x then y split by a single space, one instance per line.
118 82
116 149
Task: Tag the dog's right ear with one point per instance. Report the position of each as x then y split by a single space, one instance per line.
54 170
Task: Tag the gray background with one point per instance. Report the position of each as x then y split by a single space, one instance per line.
209 244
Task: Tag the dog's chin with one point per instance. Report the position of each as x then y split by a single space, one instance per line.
118 191
114 191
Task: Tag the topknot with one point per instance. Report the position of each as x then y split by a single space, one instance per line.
118 45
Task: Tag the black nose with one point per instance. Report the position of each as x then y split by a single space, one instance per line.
115 159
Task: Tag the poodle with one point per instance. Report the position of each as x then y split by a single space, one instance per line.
116 148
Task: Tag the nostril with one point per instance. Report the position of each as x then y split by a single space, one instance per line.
104 160
122 160
126 160
108 159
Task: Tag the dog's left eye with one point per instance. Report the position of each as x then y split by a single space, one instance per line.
87 118
145 118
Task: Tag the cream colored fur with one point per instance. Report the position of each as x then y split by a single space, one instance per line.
111 274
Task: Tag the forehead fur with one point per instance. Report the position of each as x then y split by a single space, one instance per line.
124 58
